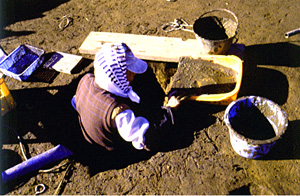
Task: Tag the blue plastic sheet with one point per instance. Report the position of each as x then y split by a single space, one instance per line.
239 106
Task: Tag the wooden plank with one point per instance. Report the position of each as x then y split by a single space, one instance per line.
145 47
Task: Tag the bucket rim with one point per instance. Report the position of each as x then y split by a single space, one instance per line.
215 10
249 140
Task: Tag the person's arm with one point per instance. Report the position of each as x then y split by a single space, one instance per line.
132 128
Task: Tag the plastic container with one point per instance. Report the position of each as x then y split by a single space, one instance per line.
215 32
3 55
6 99
22 62
255 125
232 62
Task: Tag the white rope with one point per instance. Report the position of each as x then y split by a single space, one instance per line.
66 20
178 24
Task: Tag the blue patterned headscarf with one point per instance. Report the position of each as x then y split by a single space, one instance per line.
110 70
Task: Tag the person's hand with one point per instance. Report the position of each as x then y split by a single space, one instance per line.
173 102
175 98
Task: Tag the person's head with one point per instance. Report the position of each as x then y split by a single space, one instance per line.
115 66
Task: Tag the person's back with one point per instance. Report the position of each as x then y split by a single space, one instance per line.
95 106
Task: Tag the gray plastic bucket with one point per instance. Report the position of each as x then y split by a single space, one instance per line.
215 32
255 124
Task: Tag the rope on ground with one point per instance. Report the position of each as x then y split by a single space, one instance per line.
39 189
178 24
64 179
64 23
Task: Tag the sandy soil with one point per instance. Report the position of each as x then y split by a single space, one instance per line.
198 159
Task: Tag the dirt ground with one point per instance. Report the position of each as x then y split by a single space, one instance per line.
198 159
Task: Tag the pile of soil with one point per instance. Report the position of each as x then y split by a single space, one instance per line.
199 76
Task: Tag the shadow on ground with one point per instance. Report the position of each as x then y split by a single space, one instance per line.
190 117
9 158
273 84
244 190
288 147
50 118
281 54
265 82
12 11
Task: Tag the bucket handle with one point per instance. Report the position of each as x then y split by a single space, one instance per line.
225 10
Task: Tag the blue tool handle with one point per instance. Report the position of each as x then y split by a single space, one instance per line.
57 153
